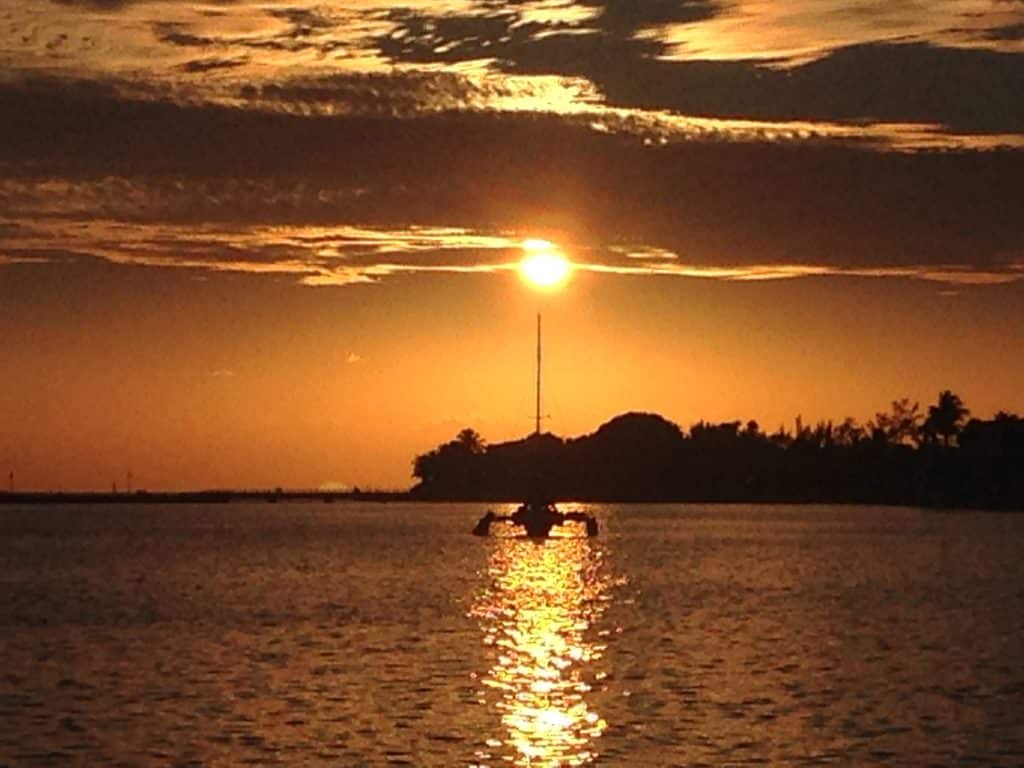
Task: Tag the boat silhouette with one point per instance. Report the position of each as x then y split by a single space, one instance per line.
538 514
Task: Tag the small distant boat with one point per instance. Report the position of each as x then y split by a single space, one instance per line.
537 515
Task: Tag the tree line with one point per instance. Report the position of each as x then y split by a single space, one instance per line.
906 456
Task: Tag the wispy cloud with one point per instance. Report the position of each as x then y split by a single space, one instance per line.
952 274
803 30
347 255
20 259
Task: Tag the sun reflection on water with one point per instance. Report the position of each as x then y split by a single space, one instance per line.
537 615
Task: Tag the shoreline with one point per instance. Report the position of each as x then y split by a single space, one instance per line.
195 497
281 496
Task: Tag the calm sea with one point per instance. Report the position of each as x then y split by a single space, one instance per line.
348 635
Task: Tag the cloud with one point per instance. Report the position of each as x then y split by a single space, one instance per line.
947 70
627 16
961 274
576 101
620 60
15 259
97 5
346 255
174 33
85 169
352 358
963 89
304 21
644 253
10 229
281 33
314 256
1009 32
213 63
120 5
513 35
404 94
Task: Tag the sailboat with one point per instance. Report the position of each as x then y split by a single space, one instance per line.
538 514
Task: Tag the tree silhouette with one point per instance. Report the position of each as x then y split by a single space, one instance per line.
849 432
947 461
427 467
471 440
946 418
902 425
455 466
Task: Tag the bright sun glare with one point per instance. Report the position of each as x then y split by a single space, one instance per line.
543 265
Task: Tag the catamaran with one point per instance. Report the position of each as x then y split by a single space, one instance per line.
538 514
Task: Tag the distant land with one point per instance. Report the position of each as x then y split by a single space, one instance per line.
276 495
905 456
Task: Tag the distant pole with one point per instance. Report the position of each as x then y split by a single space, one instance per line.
128 482
10 481
536 429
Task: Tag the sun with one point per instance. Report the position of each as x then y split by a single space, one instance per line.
543 265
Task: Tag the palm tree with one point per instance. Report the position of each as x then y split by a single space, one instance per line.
946 418
471 440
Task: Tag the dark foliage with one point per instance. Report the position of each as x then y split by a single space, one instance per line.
901 457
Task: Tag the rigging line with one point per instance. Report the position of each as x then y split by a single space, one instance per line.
536 429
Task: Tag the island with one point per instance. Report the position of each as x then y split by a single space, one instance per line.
904 456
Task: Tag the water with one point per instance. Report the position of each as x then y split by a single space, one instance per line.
350 635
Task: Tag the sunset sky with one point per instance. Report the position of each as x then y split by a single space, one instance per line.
256 244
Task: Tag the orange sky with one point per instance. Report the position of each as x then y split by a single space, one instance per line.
240 381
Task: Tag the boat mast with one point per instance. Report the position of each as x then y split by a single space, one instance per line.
536 429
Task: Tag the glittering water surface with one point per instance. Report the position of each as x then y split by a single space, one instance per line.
351 635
